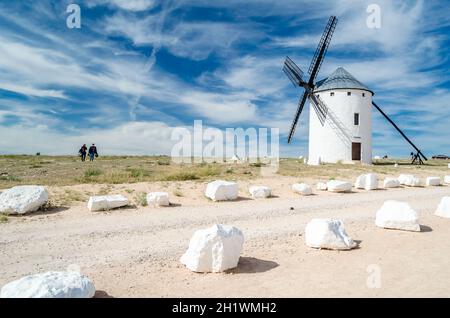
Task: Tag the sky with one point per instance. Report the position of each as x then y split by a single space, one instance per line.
138 68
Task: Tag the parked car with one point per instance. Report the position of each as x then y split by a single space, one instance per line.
444 157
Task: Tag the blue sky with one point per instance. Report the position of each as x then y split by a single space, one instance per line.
138 68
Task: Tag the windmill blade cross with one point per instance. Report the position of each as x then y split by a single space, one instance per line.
321 49
301 104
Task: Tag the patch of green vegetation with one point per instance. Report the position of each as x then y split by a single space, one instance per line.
129 191
141 199
92 172
138 173
10 178
3 218
182 176
178 193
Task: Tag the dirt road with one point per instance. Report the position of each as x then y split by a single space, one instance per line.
135 252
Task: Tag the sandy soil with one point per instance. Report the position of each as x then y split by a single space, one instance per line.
134 252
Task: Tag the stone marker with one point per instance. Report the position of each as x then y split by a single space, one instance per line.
433 181
258 192
397 215
106 202
339 186
215 249
302 188
220 190
321 186
327 234
367 181
447 179
391 183
158 199
409 180
443 209
23 199
50 285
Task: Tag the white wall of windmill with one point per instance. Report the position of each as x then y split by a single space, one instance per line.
332 142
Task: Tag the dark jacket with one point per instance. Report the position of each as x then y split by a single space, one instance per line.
93 150
83 150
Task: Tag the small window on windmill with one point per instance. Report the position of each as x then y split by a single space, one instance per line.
332 94
364 94
356 119
349 93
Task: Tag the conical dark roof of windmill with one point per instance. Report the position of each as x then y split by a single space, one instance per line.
340 79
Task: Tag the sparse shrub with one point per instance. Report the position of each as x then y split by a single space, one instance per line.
141 199
182 176
92 172
3 218
164 162
129 191
178 193
229 170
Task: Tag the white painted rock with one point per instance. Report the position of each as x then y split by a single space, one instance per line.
220 190
448 165
447 179
409 180
50 285
106 202
433 181
367 181
23 199
158 199
322 186
339 186
215 249
396 165
302 188
258 192
327 234
443 209
397 215
391 183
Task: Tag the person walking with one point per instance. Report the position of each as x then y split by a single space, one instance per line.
82 152
93 152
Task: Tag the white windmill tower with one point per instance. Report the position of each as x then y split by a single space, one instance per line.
341 124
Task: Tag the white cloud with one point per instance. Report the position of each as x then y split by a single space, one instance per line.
130 5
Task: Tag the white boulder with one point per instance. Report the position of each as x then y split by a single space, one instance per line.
433 181
339 186
397 215
367 181
321 186
443 209
391 183
302 188
447 179
106 202
327 234
158 199
448 165
220 190
258 192
409 180
22 199
215 249
50 285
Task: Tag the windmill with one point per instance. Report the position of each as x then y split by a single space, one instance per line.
352 137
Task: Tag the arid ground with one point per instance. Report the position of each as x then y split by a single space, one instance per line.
134 252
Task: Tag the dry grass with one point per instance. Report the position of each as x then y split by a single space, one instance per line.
3 219
61 171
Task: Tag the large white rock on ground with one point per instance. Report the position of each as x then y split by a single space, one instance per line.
158 199
391 183
339 186
367 181
447 179
327 234
397 215
409 180
321 186
443 209
23 199
220 190
302 188
258 192
107 202
215 249
433 181
50 285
